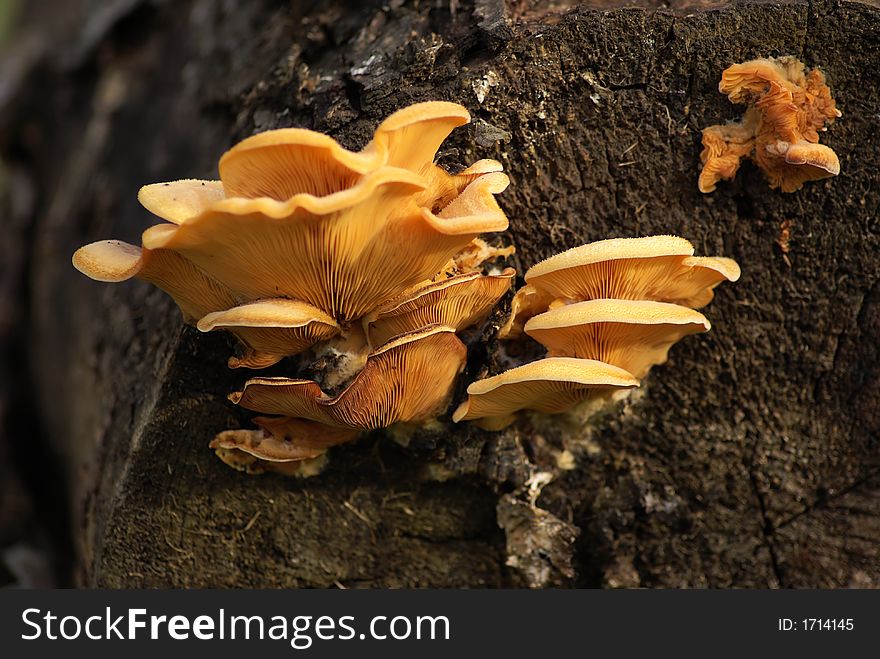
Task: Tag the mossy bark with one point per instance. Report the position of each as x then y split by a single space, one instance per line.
749 459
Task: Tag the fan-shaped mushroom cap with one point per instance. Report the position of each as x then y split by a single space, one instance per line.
283 163
789 166
194 292
407 379
550 385
632 334
283 439
411 136
652 268
345 253
178 201
458 302
271 329
741 82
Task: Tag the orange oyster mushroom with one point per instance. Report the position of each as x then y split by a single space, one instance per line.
658 268
296 216
788 108
303 243
551 385
409 379
271 329
345 253
632 334
460 301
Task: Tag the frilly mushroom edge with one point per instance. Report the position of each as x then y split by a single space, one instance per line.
303 244
788 108
617 305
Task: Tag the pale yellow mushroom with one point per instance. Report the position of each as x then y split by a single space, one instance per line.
461 301
657 268
632 334
194 292
551 385
271 329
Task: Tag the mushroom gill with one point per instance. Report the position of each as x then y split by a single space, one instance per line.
788 108
409 379
271 329
296 216
460 301
615 304
305 245
551 385
659 268
632 334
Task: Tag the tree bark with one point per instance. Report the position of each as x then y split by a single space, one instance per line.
748 460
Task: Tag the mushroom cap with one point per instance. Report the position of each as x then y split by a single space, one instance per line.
741 82
194 292
724 147
632 334
280 164
652 268
550 385
788 109
271 329
408 379
109 260
177 201
283 439
817 156
411 136
458 302
788 166
345 253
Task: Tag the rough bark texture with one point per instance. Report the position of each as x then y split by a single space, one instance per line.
749 459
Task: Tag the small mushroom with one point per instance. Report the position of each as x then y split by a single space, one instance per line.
788 166
408 379
280 440
788 107
271 329
551 385
459 302
658 268
632 334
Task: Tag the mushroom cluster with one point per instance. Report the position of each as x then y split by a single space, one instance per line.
370 256
788 107
606 312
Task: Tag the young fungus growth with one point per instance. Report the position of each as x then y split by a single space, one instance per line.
372 256
788 108
606 312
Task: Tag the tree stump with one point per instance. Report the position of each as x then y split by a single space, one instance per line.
748 460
